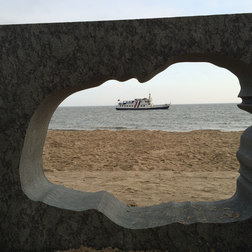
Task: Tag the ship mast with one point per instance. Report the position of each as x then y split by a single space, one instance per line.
150 99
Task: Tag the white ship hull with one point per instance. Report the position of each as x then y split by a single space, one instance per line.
161 106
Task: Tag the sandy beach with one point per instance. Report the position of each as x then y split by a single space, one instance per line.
144 167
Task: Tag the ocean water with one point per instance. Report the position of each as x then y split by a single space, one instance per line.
224 117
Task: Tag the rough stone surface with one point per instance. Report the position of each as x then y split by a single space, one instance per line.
42 64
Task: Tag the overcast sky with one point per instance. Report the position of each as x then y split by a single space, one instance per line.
180 83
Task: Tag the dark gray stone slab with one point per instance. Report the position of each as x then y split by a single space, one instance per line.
42 64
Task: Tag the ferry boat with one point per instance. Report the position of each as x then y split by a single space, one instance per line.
140 104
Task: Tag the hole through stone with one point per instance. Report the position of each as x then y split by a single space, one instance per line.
149 166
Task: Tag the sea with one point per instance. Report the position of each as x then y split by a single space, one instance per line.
181 118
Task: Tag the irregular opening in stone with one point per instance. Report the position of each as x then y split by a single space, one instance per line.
146 164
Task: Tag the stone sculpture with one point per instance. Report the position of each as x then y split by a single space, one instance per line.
42 64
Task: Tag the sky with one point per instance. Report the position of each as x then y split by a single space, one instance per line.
181 83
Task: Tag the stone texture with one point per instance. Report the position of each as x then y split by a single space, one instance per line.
42 64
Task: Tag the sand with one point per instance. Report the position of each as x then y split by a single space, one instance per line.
143 167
